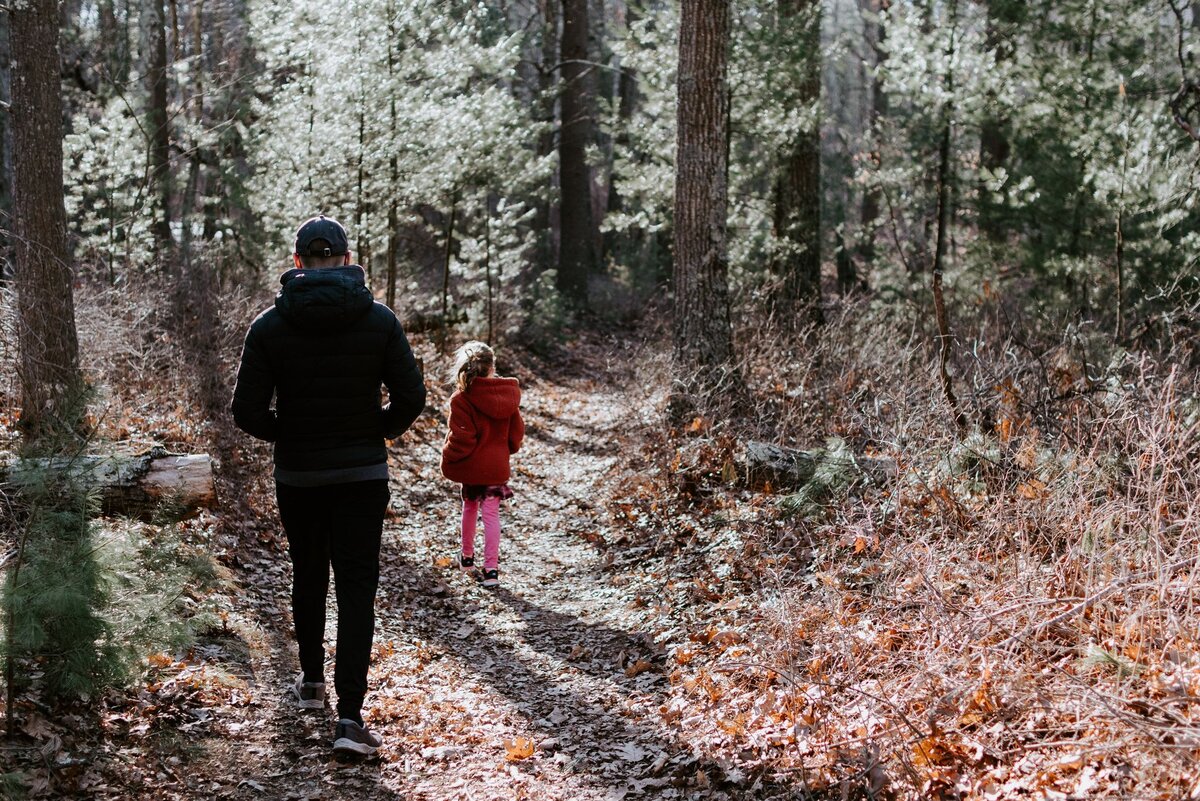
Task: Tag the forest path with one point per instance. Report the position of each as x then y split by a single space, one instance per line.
549 687
467 677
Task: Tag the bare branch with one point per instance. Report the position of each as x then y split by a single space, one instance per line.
1186 101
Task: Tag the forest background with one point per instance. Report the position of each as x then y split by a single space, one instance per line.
949 249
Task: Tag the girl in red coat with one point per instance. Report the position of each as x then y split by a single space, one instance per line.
485 429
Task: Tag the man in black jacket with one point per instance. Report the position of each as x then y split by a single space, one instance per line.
322 352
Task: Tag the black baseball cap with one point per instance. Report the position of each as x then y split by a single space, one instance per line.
324 228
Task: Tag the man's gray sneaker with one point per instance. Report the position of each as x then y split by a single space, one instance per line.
351 738
308 694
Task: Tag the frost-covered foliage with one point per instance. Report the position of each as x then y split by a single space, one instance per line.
1061 133
644 161
113 205
408 111
1059 127
104 170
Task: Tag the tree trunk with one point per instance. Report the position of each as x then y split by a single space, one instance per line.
871 205
487 262
393 218
576 252
547 217
6 161
703 347
449 254
797 214
1119 240
154 56
116 45
193 195
945 339
624 89
360 202
51 384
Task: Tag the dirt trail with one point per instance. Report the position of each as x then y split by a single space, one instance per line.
537 661
561 659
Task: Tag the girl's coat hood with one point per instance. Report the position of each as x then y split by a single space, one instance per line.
497 398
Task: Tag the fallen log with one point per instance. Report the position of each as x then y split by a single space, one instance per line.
778 467
153 484
768 465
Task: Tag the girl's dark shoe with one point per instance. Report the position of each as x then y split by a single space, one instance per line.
491 578
466 562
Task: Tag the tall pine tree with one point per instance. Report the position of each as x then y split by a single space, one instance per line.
51 384
703 334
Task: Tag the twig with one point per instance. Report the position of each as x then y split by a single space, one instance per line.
1186 86
787 676
895 232
1095 598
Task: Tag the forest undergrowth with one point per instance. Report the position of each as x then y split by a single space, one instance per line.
1010 613
1006 612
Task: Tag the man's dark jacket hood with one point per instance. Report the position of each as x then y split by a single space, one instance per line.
328 299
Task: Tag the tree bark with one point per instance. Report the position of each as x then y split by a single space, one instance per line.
6 161
871 205
193 195
449 254
51 384
487 262
625 100
703 347
154 55
576 251
945 339
393 218
116 45
797 213
547 216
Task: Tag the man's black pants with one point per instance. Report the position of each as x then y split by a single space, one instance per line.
338 525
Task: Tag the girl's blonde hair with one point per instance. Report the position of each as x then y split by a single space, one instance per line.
471 361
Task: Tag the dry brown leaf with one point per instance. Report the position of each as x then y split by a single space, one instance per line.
518 749
1032 489
735 726
640 666
727 638
37 727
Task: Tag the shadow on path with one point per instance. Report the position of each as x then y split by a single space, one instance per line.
607 741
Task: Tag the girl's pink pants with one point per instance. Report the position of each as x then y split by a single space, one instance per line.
491 530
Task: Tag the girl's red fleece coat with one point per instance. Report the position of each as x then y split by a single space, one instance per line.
485 428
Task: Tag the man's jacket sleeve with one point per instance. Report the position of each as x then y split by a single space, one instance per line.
251 405
406 387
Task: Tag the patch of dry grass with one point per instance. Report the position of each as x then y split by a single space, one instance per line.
1015 613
